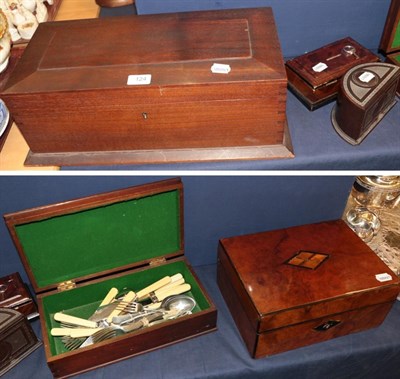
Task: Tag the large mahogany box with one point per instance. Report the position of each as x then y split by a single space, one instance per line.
390 40
189 86
76 251
301 285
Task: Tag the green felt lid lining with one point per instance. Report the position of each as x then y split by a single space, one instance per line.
91 241
396 38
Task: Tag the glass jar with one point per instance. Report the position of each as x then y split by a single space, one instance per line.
377 191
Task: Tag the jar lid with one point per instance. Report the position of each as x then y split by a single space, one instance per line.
381 182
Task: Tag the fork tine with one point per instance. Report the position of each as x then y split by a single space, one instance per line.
71 343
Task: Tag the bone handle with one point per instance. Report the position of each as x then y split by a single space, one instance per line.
160 295
153 287
126 299
173 284
176 277
61 317
109 297
83 332
74 332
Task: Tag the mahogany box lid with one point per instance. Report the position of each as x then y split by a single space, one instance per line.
336 60
105 53
101 234
304 272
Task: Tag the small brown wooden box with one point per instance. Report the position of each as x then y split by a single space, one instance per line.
15 294
70 97
316 88
125 238
302 285
17 339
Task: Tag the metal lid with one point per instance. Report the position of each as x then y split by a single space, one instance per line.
381 182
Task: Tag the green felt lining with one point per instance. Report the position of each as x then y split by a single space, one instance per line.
83 301
396 38
91 241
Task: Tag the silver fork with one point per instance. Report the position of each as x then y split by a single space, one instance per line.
116 330
71 343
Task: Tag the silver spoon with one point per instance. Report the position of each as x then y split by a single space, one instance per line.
171 304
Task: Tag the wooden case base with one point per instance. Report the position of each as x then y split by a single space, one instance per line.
298 335
283 151
312 98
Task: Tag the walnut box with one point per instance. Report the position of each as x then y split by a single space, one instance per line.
76 251
297 286
190 86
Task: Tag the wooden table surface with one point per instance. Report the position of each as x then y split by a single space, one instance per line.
15 149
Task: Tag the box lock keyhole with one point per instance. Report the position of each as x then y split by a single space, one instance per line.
145 115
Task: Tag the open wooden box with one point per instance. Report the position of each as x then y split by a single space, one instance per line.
128 238
390 41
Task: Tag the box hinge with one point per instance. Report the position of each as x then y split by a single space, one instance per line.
66 286
157 261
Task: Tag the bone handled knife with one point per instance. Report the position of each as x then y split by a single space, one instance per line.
102 310
175 280
161 294
62 317
153 287
74 332
109 297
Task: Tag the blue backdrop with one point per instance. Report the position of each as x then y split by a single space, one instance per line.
303 25
215 207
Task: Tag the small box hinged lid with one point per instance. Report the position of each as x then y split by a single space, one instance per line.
86 238
329 63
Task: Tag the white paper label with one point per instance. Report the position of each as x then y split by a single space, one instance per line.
383 277
319 67
366 77
139 80
219 68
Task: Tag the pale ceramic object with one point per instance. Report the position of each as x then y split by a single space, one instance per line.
11 28
16 15
29 26
41 11
5 50
30 5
